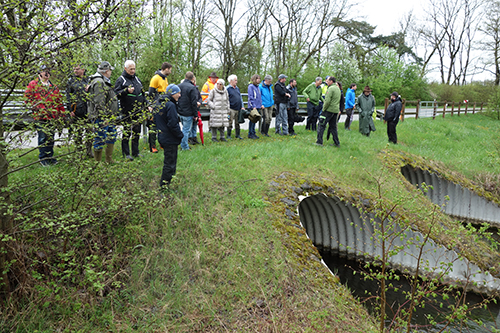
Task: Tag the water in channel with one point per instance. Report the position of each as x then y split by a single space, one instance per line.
365 289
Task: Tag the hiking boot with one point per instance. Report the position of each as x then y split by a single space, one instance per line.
215 140
318 144
127 157
223 139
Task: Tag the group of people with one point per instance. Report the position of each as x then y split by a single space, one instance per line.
94 101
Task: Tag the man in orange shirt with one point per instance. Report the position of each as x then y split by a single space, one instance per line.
209 85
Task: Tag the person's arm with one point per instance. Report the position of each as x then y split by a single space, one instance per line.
328 99
173 120
398 109
306 92
250 97
120 88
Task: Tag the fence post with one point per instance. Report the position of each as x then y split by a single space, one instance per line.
418 109
402 117
474 108
444 108
452 108
466 105
435 110
459 109
481 107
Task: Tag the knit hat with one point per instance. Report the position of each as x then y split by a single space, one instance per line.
104 66
173 89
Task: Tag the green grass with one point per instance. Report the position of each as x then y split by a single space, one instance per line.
218 254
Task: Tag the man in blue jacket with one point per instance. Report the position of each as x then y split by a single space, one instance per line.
169 131
266 91
350 102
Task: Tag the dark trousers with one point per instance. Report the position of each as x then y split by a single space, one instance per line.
151 134
328 118
45 141
391 131
133 130
169 164
291 120
348 112
313 112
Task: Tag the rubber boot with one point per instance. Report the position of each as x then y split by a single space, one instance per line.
109 153
98 155
238 134
229 133
266 129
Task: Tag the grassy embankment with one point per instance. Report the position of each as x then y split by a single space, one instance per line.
219 253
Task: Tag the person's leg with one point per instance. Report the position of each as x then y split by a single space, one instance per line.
136 134
221 134
333 129
169 164
391 131
291 120
127 131
310 111
45 144
323 121
152 136
233 117
186 128
347 124
214 134
316 113
237 127
284 118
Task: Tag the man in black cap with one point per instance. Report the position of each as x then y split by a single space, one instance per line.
392 116
281 97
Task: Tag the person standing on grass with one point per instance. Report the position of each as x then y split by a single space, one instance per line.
76 96
330 112
157 86
169 132
350 101
293 105
281 98
254 102
193 140
313 94
188 107
102 106
235 105
132 99
392 116
266 93
218 102
366 107
45 100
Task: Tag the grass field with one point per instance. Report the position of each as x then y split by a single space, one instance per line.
218 253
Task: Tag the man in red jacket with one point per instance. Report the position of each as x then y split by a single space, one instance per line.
46 102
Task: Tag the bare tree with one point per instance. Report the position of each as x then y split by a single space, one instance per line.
448 34
491 42
300 31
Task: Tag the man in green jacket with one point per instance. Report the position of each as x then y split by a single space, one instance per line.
366 107
330 111
313 94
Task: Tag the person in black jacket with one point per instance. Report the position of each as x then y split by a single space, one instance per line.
281 97
188 107
77 97
169 131
292 106
392 116
132 99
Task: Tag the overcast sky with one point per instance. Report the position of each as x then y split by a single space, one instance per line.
386 14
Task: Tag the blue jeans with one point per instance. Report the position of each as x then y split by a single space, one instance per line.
105 134
251 129
187 122
45 142
192 132
282 119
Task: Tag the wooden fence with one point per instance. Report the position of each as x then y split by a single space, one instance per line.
427 109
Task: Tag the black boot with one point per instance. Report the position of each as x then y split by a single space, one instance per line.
229 133
266 129
238 134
